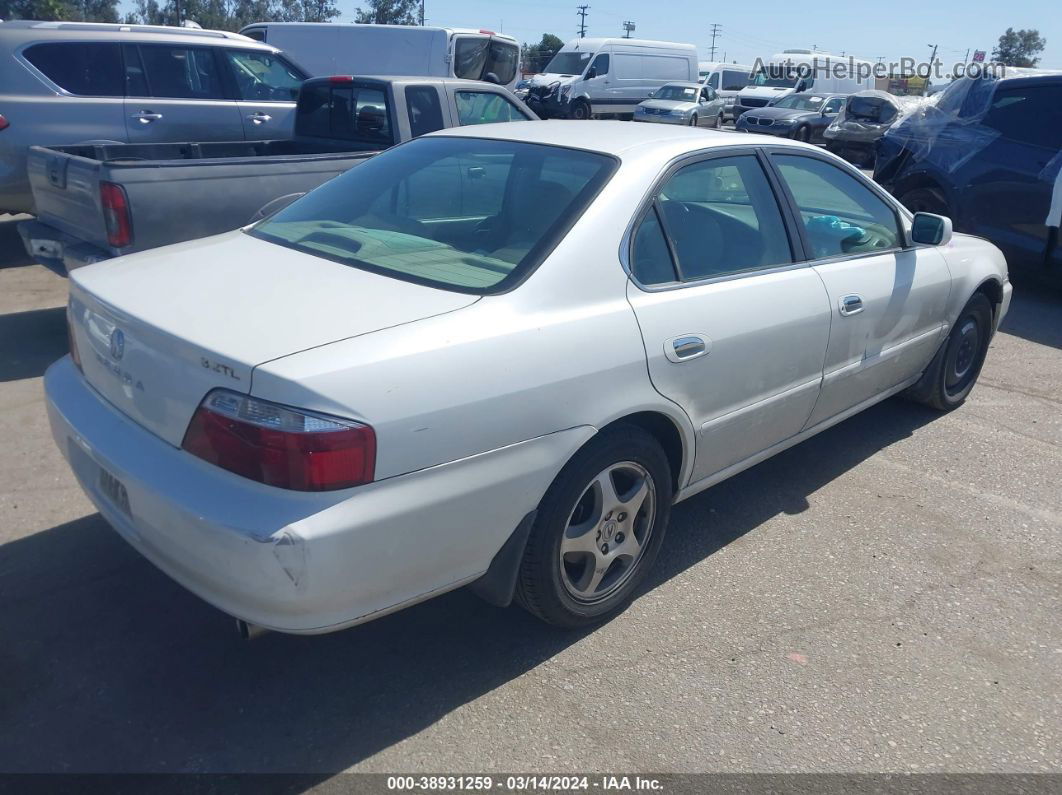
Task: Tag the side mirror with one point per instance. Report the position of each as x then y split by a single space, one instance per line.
930 229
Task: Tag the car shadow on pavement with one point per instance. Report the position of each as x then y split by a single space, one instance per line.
12 252
109 666
1035 315
30 341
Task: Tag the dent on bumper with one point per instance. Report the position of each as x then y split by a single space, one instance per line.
296 561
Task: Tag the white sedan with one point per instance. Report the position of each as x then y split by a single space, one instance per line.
498 356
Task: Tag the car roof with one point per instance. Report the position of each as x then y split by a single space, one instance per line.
28 30
615 137
452 82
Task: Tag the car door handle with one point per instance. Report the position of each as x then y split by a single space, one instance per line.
146 116
260 118
851 305
686 347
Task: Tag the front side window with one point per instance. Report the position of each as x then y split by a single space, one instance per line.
263 76
600 65
484 107
89 69
841 215
425 111
464 214
181 72
713 81
734 80
834 105
721 218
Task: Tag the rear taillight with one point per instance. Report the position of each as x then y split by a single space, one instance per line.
341 79
116 214
71 341
281 446
4 123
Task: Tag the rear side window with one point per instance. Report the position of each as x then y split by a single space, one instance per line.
1030 115
481 107
263 76
345 111
425 111
91 69
181 72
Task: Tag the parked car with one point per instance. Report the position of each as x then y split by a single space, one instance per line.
423 413
854 132
95 202
803 117
682 103
336 48
590 77
987 155
799 71
75 82
727 79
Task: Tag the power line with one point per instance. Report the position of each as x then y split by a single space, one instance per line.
715 32
582 21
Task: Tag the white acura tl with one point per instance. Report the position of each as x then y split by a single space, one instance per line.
497 356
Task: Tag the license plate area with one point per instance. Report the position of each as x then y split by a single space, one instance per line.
114 490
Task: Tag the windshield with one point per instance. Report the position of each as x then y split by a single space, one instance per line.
568 63
800 102
681 93
485 58
774 79
465 214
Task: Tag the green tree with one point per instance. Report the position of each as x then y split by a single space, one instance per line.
77 10
389 12
1019 48
535 57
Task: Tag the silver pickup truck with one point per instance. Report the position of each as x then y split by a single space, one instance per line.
95 202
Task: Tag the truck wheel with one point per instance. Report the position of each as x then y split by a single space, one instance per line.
926 200
598 530
580 110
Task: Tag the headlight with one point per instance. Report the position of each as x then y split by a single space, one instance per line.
566 90
677 112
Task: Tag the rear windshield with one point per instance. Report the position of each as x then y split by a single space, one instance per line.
871 109
344 111
464 214
488 59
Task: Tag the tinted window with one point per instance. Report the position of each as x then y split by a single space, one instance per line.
481 107
181 72
469 214
1031 115
425 112
87 68
344 111
722 218
871 109
600 65
650 258
477 58
841 215
264 77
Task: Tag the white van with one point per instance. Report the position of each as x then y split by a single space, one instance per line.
794 71
727 79
608 76
334 48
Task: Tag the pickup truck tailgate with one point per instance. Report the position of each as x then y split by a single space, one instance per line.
66 190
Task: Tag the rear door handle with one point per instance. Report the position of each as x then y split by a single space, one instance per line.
260 118
851 305
146 116
686 347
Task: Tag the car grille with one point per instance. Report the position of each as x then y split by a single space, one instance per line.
657 111
754 102
756 120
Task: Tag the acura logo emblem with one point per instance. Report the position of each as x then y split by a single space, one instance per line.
117 344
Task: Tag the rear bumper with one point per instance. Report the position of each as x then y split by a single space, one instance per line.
57 250
295 561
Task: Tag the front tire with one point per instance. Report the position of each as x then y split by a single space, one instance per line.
802 133
580 110
951 375
693 120
719 121
598 530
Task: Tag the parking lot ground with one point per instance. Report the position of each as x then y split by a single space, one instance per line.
883 597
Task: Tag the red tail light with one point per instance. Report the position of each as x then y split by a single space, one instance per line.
4 123
116 214
341 79
281 446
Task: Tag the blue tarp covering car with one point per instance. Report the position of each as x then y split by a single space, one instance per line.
988 154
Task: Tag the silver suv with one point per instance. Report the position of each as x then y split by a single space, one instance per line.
76 82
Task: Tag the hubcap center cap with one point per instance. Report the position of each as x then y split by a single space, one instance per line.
608 529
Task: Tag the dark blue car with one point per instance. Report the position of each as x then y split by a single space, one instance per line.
988 155
800 116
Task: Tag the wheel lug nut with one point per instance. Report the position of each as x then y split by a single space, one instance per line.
622 517
619 538
604 549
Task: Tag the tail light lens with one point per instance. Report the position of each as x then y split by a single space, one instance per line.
4 123
281 446
116 214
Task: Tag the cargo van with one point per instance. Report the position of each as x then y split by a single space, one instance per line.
727 79
795 71
589 77
333 48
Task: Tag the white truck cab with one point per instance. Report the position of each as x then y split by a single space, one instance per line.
590 77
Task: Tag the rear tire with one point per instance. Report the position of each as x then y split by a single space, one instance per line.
586 555
951 375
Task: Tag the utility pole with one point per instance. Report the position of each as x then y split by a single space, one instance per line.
422 13
966 58
582 21
932 60
177 11
628 26
715 32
